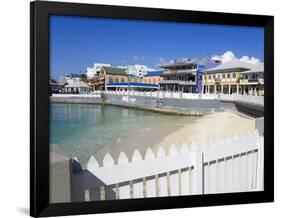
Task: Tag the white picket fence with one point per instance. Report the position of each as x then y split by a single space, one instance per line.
258 100
227 165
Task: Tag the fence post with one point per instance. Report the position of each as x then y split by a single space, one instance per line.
260 167
198 174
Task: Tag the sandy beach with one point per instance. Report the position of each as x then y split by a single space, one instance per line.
208 128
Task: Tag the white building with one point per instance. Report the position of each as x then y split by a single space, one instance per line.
138 70
68 79
77 87
94 71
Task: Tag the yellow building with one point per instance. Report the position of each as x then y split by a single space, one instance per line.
230 78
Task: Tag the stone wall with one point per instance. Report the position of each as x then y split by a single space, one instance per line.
60 178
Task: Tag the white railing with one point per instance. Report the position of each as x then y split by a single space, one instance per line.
259 100
228 165
88 95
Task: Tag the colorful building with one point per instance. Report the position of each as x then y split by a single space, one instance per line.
112 75
232 78
184 75
153 77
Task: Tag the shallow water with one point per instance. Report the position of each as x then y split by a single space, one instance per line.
82 130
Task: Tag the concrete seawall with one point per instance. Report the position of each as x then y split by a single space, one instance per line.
197 107
166 105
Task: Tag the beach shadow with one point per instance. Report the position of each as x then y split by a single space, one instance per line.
23 210
84 179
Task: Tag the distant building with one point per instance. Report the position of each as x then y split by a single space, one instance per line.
77 87
234 77
93 72
71 78
138 70
184 75
111 74
153 77
253 80
55 87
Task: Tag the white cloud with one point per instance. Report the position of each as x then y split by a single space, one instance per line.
139 57
251 60
230 56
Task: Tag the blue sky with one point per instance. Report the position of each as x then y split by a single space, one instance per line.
79 42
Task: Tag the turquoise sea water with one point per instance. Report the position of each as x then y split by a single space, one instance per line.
82 129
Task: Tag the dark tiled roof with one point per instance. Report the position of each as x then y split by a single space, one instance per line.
115 70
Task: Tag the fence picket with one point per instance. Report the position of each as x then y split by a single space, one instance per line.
161 152
137 185
92 164
150 182
123 188
174 176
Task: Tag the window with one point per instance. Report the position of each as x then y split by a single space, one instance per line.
209 77
110 79
122 80
223 76
214 76
234 75
228 76
116 79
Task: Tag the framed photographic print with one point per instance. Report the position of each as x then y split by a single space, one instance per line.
143 109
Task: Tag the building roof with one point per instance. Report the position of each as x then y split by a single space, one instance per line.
154 73
115 70
258 69
179 63
77 84
133 75
231 66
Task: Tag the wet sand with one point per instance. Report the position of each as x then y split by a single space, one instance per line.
208 128
142 139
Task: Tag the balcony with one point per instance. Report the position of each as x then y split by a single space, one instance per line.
189 71
254 81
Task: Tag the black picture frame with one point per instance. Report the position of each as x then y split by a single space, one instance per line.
39 108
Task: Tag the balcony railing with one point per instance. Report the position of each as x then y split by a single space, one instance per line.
189 71
249 81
